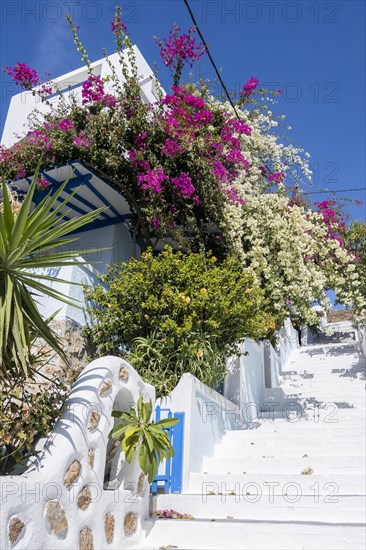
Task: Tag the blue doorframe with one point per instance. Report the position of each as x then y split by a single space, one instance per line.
171 479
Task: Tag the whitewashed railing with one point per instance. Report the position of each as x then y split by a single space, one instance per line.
208 415
80 493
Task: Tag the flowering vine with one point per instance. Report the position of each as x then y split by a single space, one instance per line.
197 171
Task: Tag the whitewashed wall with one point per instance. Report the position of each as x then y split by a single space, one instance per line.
253 379
24 103
118 247
61 502
208 415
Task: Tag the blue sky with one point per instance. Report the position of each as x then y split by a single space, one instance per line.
313 50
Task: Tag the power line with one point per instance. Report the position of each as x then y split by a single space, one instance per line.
210 58
335 191
233 106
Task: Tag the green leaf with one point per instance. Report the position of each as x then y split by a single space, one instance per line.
167 422
117 431
149 440
147 411
28 239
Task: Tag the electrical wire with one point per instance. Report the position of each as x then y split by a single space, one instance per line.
233 106
210 58
335 191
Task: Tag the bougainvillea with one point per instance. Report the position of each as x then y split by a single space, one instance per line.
197 171
23 76
179 49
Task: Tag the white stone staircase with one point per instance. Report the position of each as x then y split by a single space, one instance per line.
291 480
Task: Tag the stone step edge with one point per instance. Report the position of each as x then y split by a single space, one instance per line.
153 521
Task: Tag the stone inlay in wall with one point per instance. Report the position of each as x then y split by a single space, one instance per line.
56 517
72 473
84 498
106 387
140 484
93 421
109 527
123 374
130 524
15 527
91 458
86 539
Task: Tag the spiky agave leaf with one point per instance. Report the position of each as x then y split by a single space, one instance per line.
27 241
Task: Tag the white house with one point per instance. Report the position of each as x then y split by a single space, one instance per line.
110 234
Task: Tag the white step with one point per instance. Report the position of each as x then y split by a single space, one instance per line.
351 484
262 449
257 503
287 431
240 535
286 465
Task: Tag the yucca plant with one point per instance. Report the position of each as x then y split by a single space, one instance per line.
136 430
28 239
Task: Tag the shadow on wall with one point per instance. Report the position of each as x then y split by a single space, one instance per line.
60 501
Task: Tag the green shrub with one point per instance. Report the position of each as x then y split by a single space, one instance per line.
178 312
27 412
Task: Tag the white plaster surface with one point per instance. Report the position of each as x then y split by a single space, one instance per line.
26 495
24 103
112 244
207 415
296 474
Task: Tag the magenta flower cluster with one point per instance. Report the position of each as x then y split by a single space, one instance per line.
171 148
179 49
93 91
82 141
250 86
152 179
23 76
185 119
66 124
184 185
45 90
277 177
118 26
334 222
43 184
171 514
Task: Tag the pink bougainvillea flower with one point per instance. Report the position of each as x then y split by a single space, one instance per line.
277 177
180 48
82 141
23 76
117 26
152 180
240 127
250 86
141 138
171 148
92 89
45 90
184 185
66 124
43 184
21 173
156 223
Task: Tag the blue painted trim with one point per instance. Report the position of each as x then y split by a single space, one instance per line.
81 179
101 198
70 186
176 474
99 224
172 477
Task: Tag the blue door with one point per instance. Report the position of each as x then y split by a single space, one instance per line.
171 479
